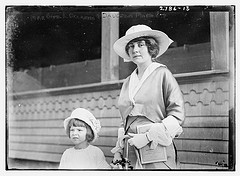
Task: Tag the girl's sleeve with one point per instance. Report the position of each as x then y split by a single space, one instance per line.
62 161
101 160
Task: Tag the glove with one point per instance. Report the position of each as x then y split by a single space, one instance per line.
172 126
120 144
158 134
138 140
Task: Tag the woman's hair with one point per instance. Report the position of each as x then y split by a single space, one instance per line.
80 123
151 43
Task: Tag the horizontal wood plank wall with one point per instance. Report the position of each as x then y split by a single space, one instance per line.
35 125
205 138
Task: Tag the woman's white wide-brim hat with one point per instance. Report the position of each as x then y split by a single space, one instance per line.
139 31
87 117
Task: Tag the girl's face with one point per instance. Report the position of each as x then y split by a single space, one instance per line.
138 52
78 134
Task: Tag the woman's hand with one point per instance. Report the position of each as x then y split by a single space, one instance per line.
158 134
138 140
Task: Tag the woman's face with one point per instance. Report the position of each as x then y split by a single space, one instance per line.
138 52
78 134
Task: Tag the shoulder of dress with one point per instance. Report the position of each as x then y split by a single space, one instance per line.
163 71
161 65
68 150
96 150
126 80
163 68
94 147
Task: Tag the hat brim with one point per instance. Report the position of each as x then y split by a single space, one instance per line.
163 41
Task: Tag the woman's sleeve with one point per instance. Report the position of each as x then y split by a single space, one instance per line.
163 133
174 105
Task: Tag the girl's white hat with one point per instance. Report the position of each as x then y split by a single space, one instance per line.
139 31
87 117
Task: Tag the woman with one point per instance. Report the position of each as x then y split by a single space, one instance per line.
150 95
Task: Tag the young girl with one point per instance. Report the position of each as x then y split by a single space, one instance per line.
82 128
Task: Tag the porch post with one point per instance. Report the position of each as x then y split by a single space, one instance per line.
109 59
219 40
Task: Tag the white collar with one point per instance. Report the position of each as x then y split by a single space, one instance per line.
135 84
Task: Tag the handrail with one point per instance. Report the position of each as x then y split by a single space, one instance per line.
110 85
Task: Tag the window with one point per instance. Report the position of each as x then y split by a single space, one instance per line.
53 46
62 46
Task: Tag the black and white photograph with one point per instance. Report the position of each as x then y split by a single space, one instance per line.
113 88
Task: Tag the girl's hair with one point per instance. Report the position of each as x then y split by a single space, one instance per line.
152 45
80 123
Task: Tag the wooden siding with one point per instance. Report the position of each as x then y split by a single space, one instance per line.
205 138
35 125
